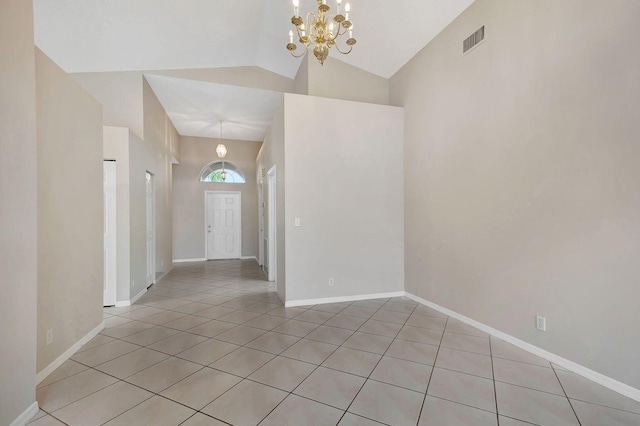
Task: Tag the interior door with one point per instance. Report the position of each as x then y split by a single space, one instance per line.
110 266
223 225
151 255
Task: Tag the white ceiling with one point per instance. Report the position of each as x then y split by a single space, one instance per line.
141 35
118 35
196 108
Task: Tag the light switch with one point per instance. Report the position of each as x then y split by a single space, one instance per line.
297 221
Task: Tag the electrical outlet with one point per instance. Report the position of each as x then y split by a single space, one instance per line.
331 282
297 221
541 323
49 336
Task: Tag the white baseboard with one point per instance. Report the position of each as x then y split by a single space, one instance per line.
163 276
325 300
26 415
249 258
133 300
188 260
68 354
594 376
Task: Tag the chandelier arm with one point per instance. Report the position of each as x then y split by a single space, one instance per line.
344 53
338 33
300 55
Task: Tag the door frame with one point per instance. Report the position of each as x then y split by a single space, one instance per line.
261 222
110 241
153 229
206 239
272 257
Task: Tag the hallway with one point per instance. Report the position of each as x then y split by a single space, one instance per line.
211 344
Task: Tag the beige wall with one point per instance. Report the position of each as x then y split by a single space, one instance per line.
116 147
522 175
188 196
18 216
272 154
339 80
345 183
70 211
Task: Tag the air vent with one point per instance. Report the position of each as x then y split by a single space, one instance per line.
473 40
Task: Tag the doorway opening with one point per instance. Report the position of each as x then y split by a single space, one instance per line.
151 231
110 211
223 225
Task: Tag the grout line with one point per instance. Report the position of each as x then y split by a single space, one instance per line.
435 360
565 394
493 376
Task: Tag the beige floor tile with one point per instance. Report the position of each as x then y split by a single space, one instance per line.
422 335
71 389
346 321
131 363
388 404
246 404
296 328
527 375
104 353
455 326
138 314
331 387
212 328
149 337
187 322
427 311
317 317
351 361
406 374
508 421
156 411
332 308
127 329
239 317
286 312
208 351
164 374
423 321
330 335
463 388
266 322
534 406
404 308
199 389
240 335
274 343
359 311
381 328
46 420
242 362
391 316
163 317
114 322
597 415
67 369
413 351
194 307
368 342
465 362
578 387
202 420
177 343
351 419
99 340
439 412
39 414
310 351
462 342
283 373
374 303
501 349
262 307
103 405
297 411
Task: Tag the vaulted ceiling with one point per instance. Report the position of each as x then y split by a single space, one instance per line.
97 36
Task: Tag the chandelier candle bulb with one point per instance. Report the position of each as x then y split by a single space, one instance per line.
347 9
296 4
290 36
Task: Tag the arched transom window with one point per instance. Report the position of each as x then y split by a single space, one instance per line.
222 172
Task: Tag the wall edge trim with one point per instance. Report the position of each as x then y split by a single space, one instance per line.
581 370
189 260
68 353
26 415
355 298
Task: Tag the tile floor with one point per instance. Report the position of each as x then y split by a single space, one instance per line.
211 344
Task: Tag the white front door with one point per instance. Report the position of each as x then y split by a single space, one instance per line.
223 225
151 252
272 247
110 266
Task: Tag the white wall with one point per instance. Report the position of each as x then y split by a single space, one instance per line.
18 217
272 154
522 177
188 194
116 147
70 211
344 180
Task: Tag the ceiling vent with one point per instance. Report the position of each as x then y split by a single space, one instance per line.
473 40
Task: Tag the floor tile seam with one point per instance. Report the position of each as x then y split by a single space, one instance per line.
162 353
521 362
463 372
119 356
520 420
493 376
575 413
83 397
51 415
435 360
374 369
603 405
542 391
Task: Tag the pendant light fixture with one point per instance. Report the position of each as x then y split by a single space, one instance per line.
221 150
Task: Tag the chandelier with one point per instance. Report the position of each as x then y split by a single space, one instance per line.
221 150
323 30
